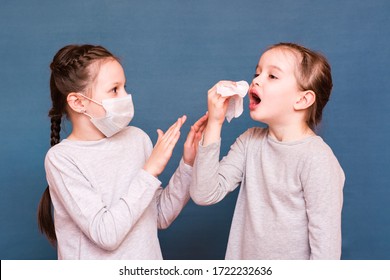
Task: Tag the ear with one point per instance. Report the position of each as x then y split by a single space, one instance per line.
305 100
76 102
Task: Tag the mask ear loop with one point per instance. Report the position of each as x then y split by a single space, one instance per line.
90 99
83 111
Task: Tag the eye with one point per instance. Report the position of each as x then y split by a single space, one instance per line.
272 77
255 76
114 90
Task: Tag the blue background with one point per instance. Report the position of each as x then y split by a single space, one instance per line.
173 52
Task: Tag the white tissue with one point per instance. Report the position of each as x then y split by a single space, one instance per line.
236 104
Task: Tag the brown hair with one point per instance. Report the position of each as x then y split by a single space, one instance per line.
313 73
70 72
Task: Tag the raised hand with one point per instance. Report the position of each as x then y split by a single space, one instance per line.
217 107
217 104
193 138
163 149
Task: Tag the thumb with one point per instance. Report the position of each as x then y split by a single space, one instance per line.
160 134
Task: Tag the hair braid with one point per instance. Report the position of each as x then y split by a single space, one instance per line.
55 130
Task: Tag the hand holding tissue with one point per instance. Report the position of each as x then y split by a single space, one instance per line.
236 106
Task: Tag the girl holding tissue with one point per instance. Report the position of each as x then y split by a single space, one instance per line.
108 202
291 194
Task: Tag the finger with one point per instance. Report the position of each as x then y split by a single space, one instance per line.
222 99
224 83
172 143
226 100
199 135
205 118
160 134
217 97
196 142
179 124
198 138
202 128
183 118
173 131
180 121
197 125
191 136
213 89
200 122
213 95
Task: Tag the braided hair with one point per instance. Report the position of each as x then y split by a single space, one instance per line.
70 72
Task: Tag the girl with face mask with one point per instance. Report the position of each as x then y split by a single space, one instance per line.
108 202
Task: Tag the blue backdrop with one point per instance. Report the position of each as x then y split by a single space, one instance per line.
173 52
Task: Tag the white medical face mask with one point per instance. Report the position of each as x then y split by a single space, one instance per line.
119 112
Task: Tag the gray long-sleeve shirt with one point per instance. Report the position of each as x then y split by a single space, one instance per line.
105 205
290 200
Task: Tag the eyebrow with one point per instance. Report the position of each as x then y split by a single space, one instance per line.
276 67
272 67
114 84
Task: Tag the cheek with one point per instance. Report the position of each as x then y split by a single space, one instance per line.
280 95
276 104
97 111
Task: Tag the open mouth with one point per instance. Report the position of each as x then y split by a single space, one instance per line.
256 99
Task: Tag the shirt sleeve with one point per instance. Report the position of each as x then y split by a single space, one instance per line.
213 179
172 199
105 225
323 182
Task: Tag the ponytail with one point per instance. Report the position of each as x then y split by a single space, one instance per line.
45 218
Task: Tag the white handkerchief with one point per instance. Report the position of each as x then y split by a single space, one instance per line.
236 106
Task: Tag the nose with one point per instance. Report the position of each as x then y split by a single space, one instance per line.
256 80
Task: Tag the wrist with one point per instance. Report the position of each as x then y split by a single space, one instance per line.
212 133
150 170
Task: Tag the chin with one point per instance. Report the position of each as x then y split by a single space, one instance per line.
255 116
